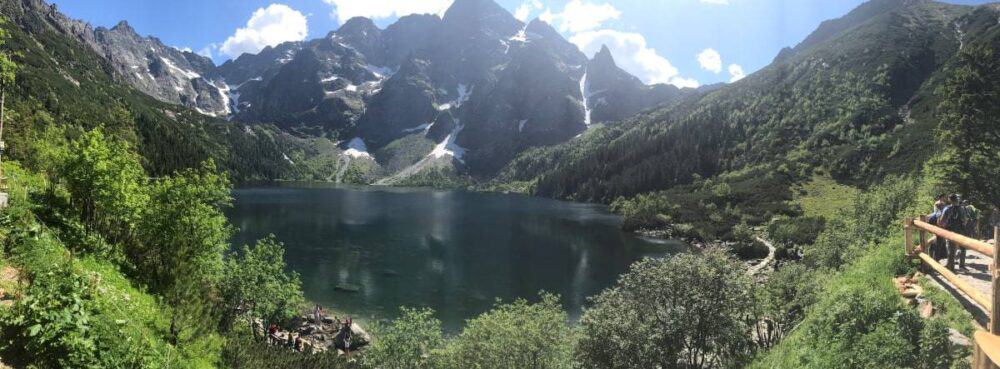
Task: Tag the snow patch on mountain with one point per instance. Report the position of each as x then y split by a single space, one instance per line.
184 72
357 149
423 127
380 72
449 147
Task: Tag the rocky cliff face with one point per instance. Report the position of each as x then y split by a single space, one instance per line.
471 89
163 72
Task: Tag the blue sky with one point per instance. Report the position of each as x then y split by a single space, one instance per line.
657 40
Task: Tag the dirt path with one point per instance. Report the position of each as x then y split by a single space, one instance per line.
767 261
976 274
9 277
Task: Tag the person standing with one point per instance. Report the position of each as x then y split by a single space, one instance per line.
318 315
953 220
972 225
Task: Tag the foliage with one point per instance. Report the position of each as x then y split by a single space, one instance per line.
184 236
519 335
107 186
710 209
790 234
688 311
857 320
243 352
873 216
256 284
782 301
411 341
51 325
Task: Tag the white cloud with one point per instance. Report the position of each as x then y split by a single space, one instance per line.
736 73
633 55
208 50
579 16
184 49
347 9
710 60
523 12
267 27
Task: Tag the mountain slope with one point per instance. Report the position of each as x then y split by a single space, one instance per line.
63 81
856 101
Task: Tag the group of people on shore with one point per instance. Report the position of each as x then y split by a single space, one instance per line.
958 215
342 341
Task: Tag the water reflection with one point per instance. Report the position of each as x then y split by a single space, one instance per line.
367 251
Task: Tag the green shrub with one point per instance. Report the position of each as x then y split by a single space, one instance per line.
519 335
691 311
51 325
411 341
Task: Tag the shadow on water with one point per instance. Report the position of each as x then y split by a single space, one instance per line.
369 250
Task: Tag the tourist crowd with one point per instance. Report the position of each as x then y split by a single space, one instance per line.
958 215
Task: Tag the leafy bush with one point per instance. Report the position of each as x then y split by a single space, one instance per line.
518 335
690 311
411 341
789 234
256 284
51 325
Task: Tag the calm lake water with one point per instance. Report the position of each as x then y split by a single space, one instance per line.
369 250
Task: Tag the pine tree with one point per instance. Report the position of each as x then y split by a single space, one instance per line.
969 133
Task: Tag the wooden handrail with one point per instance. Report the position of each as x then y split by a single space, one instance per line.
987 347
967 242
961 285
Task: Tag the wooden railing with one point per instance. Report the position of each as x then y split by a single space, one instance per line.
987 343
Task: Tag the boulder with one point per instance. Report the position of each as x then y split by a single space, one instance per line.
958 339
926 309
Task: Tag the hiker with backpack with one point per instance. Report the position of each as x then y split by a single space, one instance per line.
972 225
953 219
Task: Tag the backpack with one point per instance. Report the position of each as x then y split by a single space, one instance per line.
971 218
953 218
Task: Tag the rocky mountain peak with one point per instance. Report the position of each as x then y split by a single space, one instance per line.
359 27
482 14
604 58
124 27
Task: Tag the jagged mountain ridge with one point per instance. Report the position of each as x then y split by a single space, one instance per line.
477 77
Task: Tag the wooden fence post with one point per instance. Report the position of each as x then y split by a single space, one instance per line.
995 314
908 237
923 236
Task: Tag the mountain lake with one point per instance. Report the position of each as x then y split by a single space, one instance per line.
366 251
